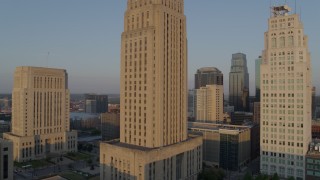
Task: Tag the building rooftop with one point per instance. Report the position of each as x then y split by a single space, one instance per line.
209 69
216 127
142 148
314 148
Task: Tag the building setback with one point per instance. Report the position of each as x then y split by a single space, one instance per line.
154 142
40 114
239 83
285 96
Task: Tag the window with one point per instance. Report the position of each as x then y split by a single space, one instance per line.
282 41
5 167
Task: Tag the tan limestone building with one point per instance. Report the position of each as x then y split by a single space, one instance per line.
40 114
154 143
285 96
209 103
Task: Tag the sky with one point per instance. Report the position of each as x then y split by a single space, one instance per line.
83 37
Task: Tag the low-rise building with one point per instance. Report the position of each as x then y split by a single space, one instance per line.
313 161
224 146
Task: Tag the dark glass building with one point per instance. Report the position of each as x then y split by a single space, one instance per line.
96 103
257 78
208 76
239 83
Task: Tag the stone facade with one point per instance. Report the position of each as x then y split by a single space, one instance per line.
285 96
40 114
154 142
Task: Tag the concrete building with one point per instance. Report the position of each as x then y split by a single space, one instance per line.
96 103
224 146
110 126
6 161
40 116
208 76
257 77
209 103
239 83
154 142
313 161
285 96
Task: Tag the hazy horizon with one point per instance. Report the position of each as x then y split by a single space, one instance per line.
84 38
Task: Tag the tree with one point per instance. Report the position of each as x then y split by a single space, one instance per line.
275 177
248 176
262 177
211 174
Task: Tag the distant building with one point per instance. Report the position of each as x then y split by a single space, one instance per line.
5 126
6 160
315 129
96 103
256 112
257 77
84 121
239 118
40 116
208 76
224 146
228 109
191 104
312 167
114 108
209 103
91 106
110 126
239 83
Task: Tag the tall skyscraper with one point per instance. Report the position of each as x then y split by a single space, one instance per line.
314 103
154 142
40 114
285 96
209 103
6 161
207 76
239 83
257 78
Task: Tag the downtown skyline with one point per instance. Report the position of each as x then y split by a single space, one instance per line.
80 40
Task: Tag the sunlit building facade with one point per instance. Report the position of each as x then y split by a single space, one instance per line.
285 96
154 143
40 114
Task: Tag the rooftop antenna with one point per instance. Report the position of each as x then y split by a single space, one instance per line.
295 6
48 58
